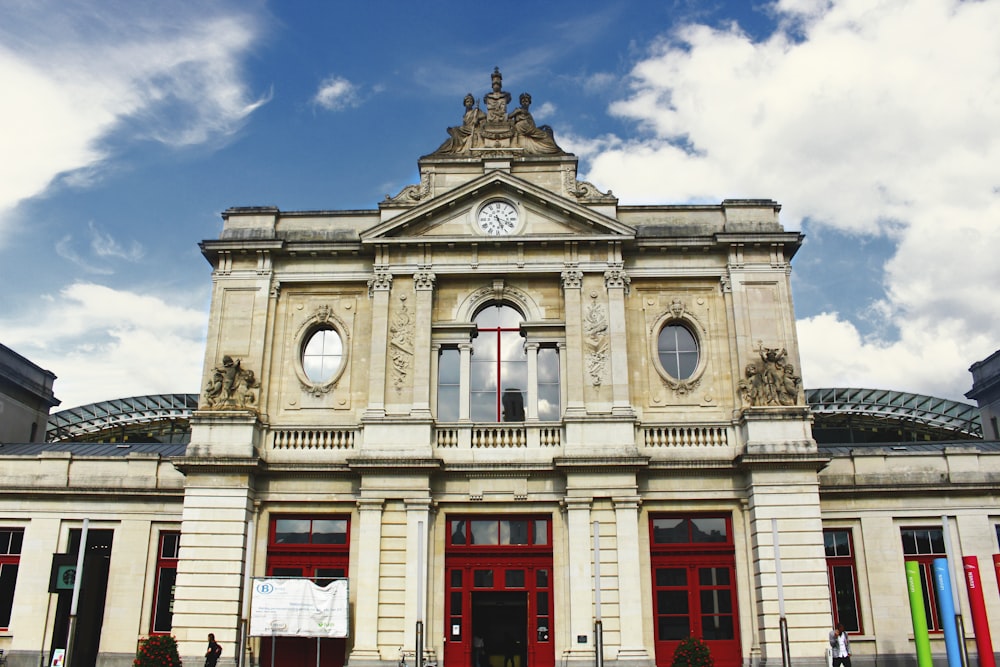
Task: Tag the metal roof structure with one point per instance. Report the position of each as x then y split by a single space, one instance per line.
168 412
944 418
886 406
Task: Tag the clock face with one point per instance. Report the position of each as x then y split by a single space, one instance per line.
498 218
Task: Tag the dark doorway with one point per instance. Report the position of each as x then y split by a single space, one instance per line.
500 619
90 606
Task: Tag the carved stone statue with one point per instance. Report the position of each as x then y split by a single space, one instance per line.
526 135
495 130
770 381
231 387
462 138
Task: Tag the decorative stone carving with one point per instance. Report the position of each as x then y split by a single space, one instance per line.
771 381
584 190
424 280
401 345
572 279
595 340
412 194
615 277
231 387
497 132
382 280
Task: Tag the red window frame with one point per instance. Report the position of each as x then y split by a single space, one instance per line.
167 555
11 543
836 559
922 545
693 564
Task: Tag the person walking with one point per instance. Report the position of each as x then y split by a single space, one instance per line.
215 650
841 646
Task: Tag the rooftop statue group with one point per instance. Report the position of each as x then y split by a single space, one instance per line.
498 130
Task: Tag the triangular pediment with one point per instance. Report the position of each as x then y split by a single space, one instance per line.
541 214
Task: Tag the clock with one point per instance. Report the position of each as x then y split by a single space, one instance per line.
497 218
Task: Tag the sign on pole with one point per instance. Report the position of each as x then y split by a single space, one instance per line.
298 608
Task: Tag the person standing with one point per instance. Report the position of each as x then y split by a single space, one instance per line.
841 646
215 650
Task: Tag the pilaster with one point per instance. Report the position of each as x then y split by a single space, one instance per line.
572 281
630 593
378 287
366 578
423 283
579 580
617 282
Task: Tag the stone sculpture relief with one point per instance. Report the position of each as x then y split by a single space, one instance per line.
595 338
401 345
231 387
496 130
770 381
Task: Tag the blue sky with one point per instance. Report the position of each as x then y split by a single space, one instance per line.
127 127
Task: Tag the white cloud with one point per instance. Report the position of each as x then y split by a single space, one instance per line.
75 74
336 93
105 343
874 117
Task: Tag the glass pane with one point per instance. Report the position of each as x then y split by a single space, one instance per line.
508 318
909 542
286 572
670 531
671 576
541 578
687 364
548 403
449 366
716 602
717 627
513 579
329 531
543 603
512 405
458 532
291 531
713 576
456 578
163 609
8 578
484 347
517 532
169 545
672 602
542 628
936 538
484 532
447 405
548 365
541 535
673 627
482 578
708 530
483 406
11 540
322 354
324 575
487 318
456 604
483 375
845 599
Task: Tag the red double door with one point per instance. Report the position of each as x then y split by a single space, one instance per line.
498 594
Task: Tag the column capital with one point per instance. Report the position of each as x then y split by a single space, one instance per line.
572 504
380 282
370 504
627 502
616 278
572 279
424 281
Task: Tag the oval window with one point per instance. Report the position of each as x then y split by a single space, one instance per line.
678 351
322 354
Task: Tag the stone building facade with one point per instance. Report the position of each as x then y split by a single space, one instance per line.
503 406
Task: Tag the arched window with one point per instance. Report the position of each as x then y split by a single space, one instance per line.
499 377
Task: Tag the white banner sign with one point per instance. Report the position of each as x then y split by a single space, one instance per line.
298 608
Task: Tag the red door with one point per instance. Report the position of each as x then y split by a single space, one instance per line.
314 547
499 593
694 586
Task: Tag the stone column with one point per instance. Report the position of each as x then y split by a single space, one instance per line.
423 283
464 380
572 280
580 579
630 594
780 489
617 283
417 511
531 409
209 590
366 580
378 288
